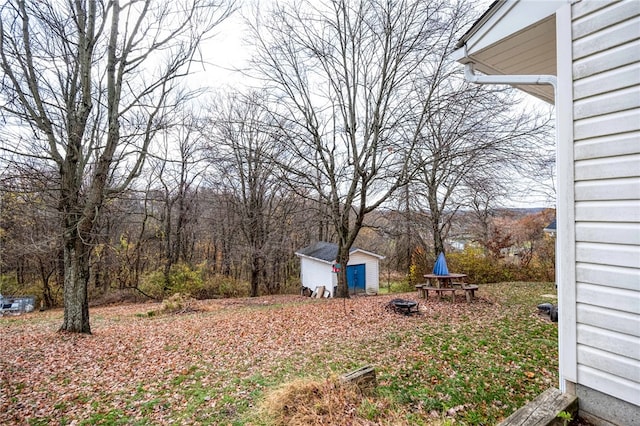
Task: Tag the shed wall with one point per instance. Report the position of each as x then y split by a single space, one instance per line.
606 77
315 273
372 270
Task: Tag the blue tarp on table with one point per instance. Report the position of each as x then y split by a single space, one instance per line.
440 268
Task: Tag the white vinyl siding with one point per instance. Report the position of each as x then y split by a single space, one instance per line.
315 273
606 73
612 319
608 81
608 276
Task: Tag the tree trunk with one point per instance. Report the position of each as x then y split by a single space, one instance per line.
343 258
255 275
436 219
76 279
47 298
438 243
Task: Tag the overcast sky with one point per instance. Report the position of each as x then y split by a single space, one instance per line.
225 53
228 51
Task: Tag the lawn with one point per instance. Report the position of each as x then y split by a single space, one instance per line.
466 364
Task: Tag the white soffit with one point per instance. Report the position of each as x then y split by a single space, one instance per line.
509 18
515 38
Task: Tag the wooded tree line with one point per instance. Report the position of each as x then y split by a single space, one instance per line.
116 175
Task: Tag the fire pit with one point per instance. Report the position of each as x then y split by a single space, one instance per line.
403 306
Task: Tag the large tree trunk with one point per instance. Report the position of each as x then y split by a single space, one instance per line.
438 243
343 259
76 279
256 270
254 279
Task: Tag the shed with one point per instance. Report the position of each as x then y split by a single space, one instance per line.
318 262
551 228
584 57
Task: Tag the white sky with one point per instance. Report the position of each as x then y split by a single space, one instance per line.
225 53
228 51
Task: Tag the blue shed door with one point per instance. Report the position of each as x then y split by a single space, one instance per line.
356 278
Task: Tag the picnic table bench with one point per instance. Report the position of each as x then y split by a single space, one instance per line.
469 290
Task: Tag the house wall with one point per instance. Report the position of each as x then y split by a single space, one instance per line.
606 127
372 270
315 273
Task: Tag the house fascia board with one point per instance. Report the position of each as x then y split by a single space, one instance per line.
502 20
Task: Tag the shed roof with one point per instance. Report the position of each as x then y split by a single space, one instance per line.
328 252
551 227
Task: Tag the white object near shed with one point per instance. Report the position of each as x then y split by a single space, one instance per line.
317 268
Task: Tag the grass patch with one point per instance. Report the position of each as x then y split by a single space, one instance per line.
249 361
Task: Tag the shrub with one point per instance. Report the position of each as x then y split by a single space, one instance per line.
9 285
421 263
483 269
480 269
217 285
182 279
177 303
193 281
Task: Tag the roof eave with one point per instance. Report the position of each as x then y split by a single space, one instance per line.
317 259
514 38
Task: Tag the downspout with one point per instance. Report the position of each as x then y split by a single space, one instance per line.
567 341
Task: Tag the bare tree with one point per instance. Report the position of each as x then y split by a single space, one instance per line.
344 75
176 174
483 195
244 151
85 86
29 238
471 135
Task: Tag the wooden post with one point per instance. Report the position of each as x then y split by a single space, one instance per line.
543 410
364 378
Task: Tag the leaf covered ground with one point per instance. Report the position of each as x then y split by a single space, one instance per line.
456 363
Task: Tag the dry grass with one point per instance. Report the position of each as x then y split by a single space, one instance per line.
313 402
309 402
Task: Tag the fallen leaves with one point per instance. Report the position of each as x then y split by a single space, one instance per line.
215 362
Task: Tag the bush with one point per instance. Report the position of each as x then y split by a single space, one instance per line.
9 286
217 285
480 269
182 279
177 303
483 269
193 281
421 264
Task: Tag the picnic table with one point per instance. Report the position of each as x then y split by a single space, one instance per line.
449 283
